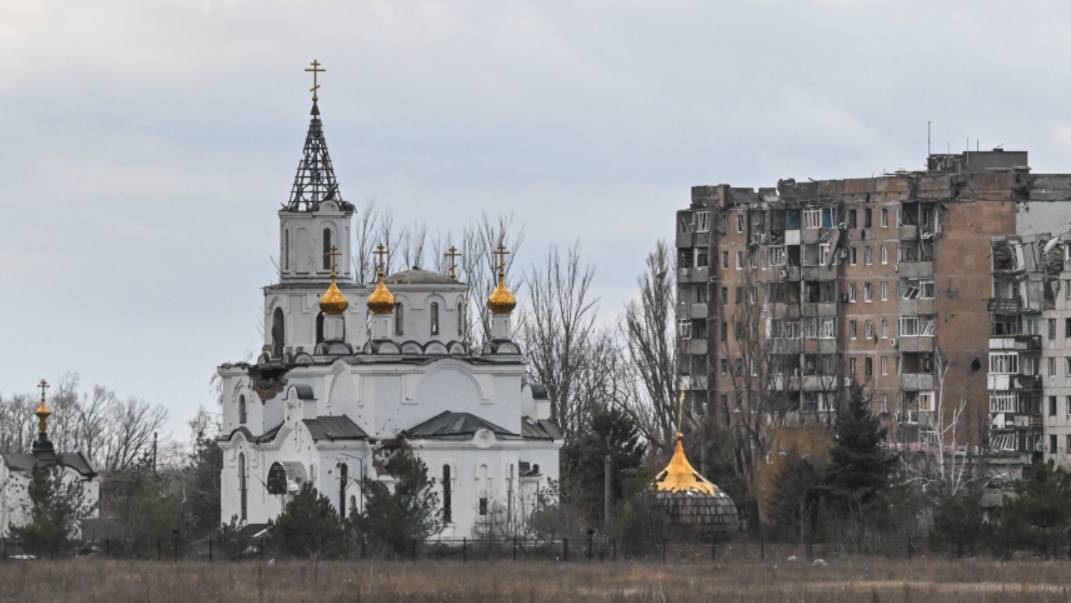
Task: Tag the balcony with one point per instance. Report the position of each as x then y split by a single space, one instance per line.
786 346
819 273
785 311
819 383
694 383
782 383
1022 343
786 273
909 232
1000 305
694 346
916 269
686 310
916 382
916 307
694 275
812 345
914 343
685 239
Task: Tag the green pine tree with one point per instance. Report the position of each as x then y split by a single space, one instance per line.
611 432
309 527
396 519
57 504
860 467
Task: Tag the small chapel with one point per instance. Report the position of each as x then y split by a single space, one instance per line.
350 370
16 474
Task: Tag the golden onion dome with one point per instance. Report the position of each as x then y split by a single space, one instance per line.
42 410
333 301
382 300
680 476
501 300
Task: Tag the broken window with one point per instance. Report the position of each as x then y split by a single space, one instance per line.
1002 401
851 218
812 218
775 256
810 255
684 221
868 293
829 217
794 255
702 258
792 219
885 217
867 217
739 223
702 221
685 259
824 254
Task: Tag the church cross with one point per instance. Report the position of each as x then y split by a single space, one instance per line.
43 385
501 253
453 255
380 252
315 70
333 254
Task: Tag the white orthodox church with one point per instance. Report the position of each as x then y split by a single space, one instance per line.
350 370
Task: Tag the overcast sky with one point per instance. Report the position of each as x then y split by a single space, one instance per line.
146 145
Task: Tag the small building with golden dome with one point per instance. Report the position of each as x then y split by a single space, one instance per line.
16 475
357 358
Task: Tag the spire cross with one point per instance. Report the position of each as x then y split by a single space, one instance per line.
43 385
333 254
501 253
380 252
315 70
453 255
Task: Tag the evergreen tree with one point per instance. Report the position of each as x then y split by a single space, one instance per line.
57 505
309 527
1041 502
612 432
203 486
397 518
149 505
958 521
860 466
794 503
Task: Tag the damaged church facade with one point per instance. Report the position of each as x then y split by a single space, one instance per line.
351 371
924 287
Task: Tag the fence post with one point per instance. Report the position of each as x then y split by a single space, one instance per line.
464 550
414 545
663 550
565 549
591 539
210 550
262 548
613 548
175 537
108 547
3 549
159 549
714 550
762 546
514 547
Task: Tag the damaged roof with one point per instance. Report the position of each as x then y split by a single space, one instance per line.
540 429
28 462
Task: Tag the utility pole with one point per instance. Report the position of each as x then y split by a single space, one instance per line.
154 438
607 487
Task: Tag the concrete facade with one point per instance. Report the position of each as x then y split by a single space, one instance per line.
884 281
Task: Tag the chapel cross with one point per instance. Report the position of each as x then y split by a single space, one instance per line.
333 254
380 252
43 385
501 253
315 70
453 255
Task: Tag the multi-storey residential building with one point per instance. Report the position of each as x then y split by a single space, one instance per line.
1030 347
788 294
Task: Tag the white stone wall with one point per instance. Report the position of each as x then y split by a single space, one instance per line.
15 504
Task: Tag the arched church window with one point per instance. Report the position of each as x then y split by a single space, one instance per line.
327 249
447 496
460 319
241 410
278 333
276 479
434 318
399 319
286 249
343 481
320 327
242 486
483 489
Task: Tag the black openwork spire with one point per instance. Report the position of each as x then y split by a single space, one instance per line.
315 181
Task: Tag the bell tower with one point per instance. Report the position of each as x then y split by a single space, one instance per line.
315 219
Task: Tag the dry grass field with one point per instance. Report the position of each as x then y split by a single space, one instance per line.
870 579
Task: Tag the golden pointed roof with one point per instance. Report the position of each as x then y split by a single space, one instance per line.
382 300
501 300
680 476
333 301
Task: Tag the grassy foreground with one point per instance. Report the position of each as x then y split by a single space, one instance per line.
871 579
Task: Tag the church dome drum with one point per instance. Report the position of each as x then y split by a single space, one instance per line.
689 499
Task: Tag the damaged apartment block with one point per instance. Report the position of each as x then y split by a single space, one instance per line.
787 295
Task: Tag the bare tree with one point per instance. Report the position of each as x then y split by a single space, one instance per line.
413 241
94 414
367 220
558 332
649 331
134 424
